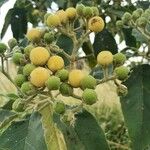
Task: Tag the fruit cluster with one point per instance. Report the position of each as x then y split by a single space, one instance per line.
42 70
138 18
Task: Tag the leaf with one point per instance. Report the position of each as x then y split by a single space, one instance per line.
139 37
24 135
136 107
54 138
4 114
104 41
7 22
88 50
85 135
19 23
2 2
129 38
65 43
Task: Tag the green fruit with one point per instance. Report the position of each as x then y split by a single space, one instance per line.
119 58
53 83
119 24
49 38
95 11
122 72
12 43
27 50
126 17
88 82
19 79
59 107
140 11
87 12
80 8
65 89
18 105
28 68
3 48
135 15
17 58
45 17
27 88
62 74
89 96
141 22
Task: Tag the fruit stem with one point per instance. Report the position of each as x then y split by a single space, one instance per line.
105 80
2 63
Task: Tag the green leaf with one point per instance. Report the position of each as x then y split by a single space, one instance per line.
86 134
129 38
24 135
136 107
139 37
19 23
53 137
88 50
4 114
7 22
65 43
2 2
104 41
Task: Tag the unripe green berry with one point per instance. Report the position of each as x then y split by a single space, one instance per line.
20 70
87 12
135 15
88 82
141 22
119 58
59 107
62 74
49 38
27 88
19 79
146 16
89 96
18 105
147 11
80 8
140 11
119 24
122 72
12 43
17 58
28 49
3 48
28 68
45 17
95 11
53 83
65 89
126 17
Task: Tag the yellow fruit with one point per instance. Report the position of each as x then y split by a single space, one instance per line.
53 21
39 76
55 63
33 35
71 12
39 55
104 58
96 24
75 77
62 16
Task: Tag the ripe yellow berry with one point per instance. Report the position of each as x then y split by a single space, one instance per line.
39 55
55 63
96 24
33 35
71 12
75 77
39 76
104 58
62 16
53 21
